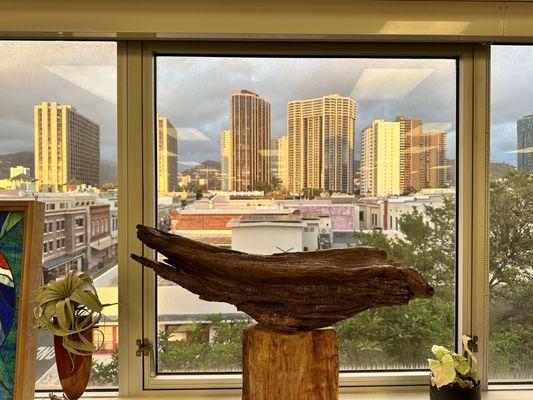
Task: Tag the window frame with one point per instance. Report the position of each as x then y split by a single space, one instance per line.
136 163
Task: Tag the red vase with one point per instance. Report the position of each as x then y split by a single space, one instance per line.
74 371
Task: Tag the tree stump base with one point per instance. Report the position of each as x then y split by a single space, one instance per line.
290 366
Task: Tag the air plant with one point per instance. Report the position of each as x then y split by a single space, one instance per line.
69 307
453 369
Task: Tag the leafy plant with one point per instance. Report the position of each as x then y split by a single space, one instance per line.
69 307
450 368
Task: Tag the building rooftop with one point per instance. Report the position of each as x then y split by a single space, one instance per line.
250 218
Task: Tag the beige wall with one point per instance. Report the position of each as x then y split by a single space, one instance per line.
168 19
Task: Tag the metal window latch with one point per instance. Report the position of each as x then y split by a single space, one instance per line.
143 347
472 345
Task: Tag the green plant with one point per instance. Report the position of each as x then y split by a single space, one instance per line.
105 373
69 307
453 369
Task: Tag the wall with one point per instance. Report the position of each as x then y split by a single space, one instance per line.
262 239
136 19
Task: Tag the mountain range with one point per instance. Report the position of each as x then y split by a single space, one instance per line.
108 169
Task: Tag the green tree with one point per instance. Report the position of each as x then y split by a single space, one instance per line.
399 337
105 374
511 272
220 352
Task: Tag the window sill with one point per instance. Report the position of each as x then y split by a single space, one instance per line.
363 394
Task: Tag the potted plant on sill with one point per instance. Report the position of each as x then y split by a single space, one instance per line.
452 376
70 309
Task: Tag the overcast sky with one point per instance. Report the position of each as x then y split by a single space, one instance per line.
194 93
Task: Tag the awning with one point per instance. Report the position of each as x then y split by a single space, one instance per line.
56 262
102 244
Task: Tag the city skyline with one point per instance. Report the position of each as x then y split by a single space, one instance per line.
53 71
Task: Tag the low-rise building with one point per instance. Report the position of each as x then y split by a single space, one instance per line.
65 233
102 245
269 234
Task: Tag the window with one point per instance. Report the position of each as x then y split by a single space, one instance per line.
48 83
398 142
511 216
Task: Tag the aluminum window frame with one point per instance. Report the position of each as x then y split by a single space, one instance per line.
136 167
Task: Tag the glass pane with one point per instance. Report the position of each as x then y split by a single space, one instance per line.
511 214
58 142
357 151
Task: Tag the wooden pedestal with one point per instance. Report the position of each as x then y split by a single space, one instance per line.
290 366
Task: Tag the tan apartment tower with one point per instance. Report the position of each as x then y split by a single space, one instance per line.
436 162
321 136
226 155
368 167
412 155
67 148
282 170
250 127
167 156
381 159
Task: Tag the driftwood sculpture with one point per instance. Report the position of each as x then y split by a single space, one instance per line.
288 291
291 296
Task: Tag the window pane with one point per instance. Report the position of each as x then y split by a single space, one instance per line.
58 140
511 214
356 151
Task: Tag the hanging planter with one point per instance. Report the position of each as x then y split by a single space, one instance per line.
70 309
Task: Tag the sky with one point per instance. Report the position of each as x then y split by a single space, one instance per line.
194 92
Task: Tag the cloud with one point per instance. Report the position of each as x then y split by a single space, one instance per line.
194 92
189 163
438 126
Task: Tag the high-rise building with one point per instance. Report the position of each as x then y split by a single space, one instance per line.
436 163
412 165
250 127
321 139
387 158
524 143
282 170
226 154
397 157
368 167
167 156
67 148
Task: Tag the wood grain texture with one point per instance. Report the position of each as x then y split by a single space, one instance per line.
290 366
288 291
73 370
